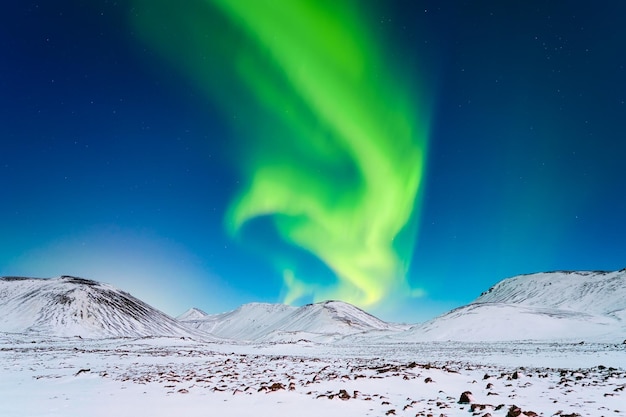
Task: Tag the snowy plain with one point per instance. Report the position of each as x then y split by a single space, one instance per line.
173 376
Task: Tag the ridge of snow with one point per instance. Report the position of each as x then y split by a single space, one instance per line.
72 306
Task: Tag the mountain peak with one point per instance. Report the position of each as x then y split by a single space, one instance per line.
78 280
192 314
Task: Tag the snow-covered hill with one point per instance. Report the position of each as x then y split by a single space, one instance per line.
545 306
70 306
324 321
596 292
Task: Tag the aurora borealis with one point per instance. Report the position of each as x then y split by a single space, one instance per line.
401 156
334 148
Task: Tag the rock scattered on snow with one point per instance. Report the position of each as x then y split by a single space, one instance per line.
466 398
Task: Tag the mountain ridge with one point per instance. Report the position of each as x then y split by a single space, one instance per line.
561 305
323 321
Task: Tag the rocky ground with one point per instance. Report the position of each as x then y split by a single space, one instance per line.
67 377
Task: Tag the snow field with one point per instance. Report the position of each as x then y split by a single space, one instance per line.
169 376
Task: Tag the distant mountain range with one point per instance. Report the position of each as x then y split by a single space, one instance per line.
322 322
574 306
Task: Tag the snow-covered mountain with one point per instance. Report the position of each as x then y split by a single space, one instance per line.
248 322
325 321
192 314
596 292
70 306
575 306
544 306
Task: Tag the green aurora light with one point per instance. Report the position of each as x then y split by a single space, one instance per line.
333 147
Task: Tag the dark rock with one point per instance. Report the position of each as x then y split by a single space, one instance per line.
276 386
479 407
343 394
514 411
466 398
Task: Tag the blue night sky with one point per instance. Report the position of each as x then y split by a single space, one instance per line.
130 146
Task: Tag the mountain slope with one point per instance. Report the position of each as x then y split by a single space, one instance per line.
324 321
248 322
545 306
596 292
70 306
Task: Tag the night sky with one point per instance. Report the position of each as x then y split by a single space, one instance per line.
402 156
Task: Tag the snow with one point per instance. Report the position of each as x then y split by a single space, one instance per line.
565 306
192 314
170 376
549 344
70 306
507 322
571 306
325 321
248 322
596 292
